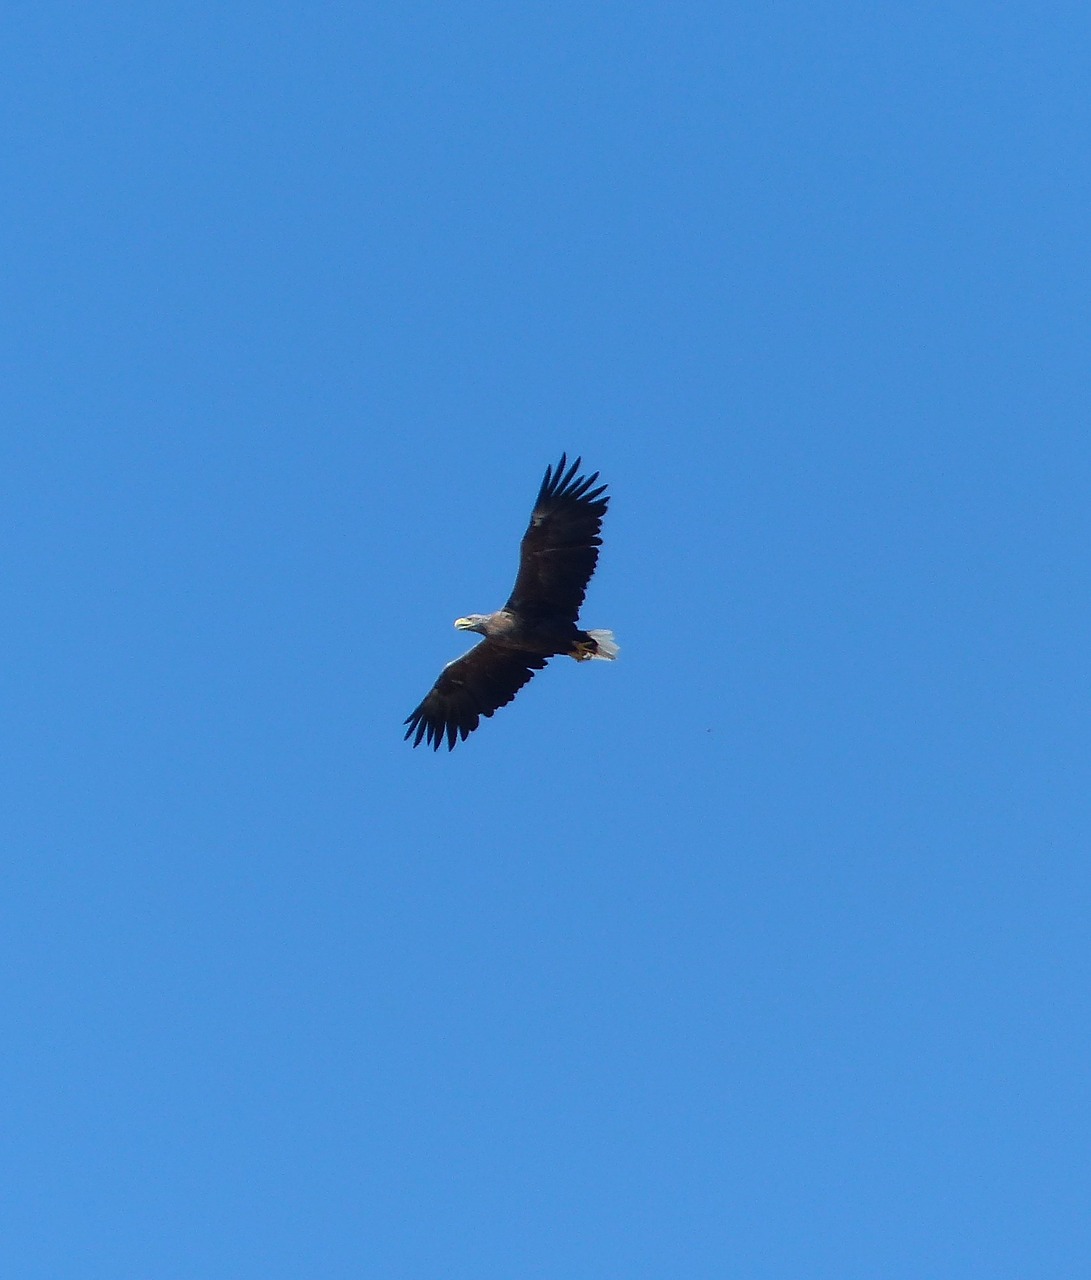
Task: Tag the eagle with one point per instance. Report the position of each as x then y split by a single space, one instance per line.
557 557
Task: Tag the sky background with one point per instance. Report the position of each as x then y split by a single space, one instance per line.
763 952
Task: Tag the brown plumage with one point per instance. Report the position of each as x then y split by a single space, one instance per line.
557 557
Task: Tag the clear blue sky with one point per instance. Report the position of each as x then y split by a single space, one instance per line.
761 953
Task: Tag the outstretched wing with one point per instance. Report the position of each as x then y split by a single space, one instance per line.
472 686
561 545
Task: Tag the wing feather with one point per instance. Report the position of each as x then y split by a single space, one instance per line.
475 685
560 548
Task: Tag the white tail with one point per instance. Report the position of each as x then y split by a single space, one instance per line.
608 648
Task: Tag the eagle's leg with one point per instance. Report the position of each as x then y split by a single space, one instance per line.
583 650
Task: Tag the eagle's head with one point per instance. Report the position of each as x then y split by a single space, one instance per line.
475 622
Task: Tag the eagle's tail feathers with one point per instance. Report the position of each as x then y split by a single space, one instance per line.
606 646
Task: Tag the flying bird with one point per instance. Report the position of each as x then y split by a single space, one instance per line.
556 560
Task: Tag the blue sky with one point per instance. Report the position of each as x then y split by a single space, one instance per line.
760 953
